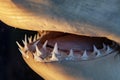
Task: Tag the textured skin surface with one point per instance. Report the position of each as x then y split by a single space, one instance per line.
95 18
87 17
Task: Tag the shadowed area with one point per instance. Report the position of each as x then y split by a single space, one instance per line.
12 66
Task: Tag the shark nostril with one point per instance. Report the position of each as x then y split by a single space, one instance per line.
58 46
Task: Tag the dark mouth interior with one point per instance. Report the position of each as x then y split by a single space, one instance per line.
67 41
59 46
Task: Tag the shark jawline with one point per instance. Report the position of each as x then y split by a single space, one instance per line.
50 46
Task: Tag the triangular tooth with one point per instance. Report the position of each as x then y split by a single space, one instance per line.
35 44
34 38
84 56
95 49
108 49
19 45
104 46
30 39
98 54
25 43
37 58
45 44
38 35
55 50
38 52
24 54
71 53
70 56
54 57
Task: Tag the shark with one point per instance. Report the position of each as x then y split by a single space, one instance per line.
76 40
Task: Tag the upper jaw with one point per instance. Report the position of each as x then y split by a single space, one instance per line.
80 17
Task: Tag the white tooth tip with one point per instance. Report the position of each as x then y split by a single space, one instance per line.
70 56
94 48
71 53
30 39
37 58
38 35
55 50
34 38
24 54
108 49
54 57
45 44
38 52
84 56
25 43
98 54
104 46
35 44
25 38
19 45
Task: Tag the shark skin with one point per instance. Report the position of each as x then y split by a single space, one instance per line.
82 17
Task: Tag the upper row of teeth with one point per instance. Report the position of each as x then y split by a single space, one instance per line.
56 55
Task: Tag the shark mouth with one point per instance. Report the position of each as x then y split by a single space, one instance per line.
49 46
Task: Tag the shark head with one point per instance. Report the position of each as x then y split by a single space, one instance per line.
76 40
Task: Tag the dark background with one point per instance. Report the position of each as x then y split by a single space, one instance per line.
12 66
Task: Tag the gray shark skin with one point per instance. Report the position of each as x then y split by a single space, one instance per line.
82 17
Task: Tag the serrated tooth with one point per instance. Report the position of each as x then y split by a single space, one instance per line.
108 49
54 53
38 35
104 46
30 39
54 57
34 38
35 44
23 53
19 45
45 44
25 43
38 52
96 51
70 56
55 50
84 56
98 54
71 53
37 58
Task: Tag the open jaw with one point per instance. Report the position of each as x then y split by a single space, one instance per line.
50 46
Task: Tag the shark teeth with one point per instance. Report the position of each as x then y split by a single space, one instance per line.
54 57
45 44
108 50
55 53
25 54
30 39
95 50
25 43
20 47
70 56
84 56
43 54
38 52
55 50
37 58
104 46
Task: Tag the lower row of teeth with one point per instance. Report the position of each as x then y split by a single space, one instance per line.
44 55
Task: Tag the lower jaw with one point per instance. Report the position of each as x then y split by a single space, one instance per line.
49 46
